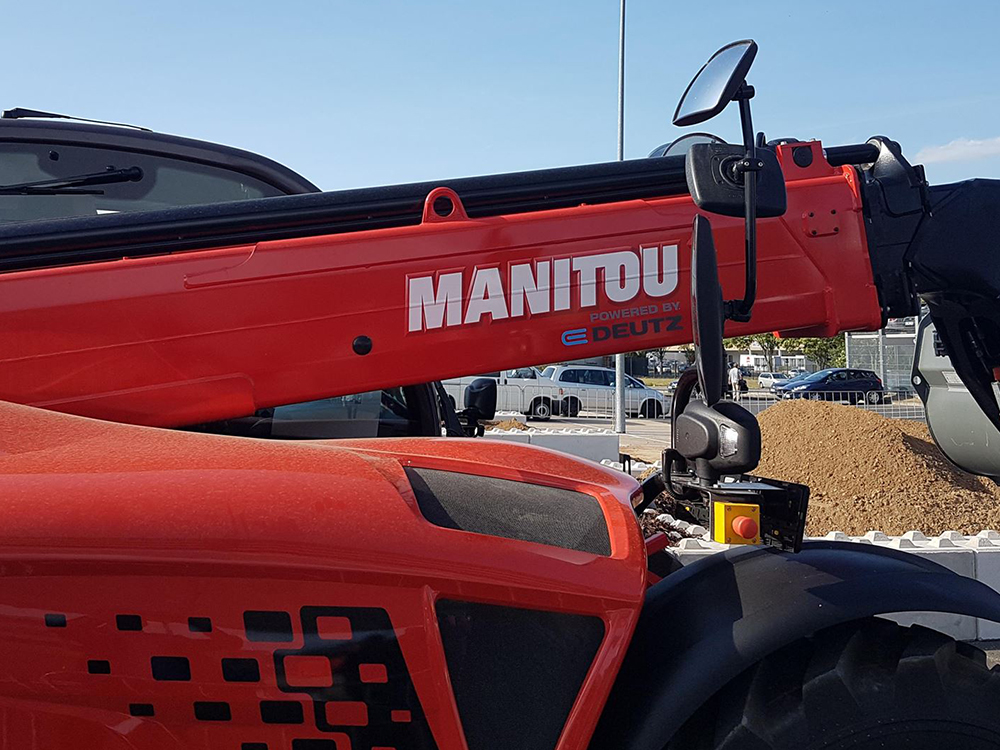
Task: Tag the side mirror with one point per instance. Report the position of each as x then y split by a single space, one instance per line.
717 437
716 84
481 399
719 175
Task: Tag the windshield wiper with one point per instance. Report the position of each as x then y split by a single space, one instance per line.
70 185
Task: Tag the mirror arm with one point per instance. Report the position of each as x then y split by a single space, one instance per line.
746 170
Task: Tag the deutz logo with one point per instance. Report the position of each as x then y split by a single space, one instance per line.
539 287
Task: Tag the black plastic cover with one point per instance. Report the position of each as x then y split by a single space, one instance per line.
512 510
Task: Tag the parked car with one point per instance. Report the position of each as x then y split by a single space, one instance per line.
767 379
783 380
576 388
837 384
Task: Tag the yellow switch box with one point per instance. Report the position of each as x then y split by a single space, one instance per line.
736 523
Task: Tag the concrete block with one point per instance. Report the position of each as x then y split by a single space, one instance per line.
511 436
595 445
692 550
504 416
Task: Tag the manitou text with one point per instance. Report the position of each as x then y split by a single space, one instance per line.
539 287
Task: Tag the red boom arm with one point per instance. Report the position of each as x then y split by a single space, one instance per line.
203 335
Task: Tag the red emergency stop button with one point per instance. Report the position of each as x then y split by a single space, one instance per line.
745 527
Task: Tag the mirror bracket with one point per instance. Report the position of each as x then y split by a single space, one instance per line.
739 310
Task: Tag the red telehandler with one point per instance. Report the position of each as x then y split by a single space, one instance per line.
165 588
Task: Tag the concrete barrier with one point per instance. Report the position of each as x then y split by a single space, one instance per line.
594 445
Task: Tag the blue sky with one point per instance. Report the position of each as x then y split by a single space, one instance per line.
376 92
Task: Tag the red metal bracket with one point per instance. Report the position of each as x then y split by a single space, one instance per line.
443 204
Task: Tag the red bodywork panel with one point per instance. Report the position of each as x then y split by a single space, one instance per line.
204 335
182 525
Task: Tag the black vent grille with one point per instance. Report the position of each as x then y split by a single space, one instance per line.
515 672
512 510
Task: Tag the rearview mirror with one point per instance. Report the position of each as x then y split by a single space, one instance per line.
717 173
481 399
680 146
716 83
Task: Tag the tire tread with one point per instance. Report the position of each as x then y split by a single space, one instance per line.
852 675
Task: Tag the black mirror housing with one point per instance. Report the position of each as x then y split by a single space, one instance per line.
720 439
481 399
715 186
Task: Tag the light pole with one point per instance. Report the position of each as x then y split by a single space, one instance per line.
620 358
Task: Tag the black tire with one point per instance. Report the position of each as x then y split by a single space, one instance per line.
541 409
864 685
873 397
570 407
651 409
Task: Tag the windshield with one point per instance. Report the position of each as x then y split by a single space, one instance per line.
817 376
548 372
165 182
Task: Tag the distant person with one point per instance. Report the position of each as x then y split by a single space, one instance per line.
734 381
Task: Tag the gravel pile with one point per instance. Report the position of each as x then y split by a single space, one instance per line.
869 472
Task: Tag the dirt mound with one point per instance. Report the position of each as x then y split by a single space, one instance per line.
869 472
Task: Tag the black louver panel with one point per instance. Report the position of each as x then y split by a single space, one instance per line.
515 672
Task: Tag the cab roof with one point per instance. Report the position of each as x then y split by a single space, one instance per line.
19 125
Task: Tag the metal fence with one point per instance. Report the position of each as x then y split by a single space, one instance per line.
888 352
545 402
896 404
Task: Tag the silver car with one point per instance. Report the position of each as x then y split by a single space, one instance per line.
577 389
